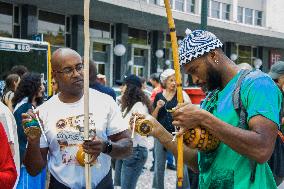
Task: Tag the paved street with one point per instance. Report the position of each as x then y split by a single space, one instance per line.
146 179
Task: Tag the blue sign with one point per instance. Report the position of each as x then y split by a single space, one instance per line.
37 37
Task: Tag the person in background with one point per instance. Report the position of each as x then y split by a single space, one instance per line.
10 127
144 84
54 87
244 66
94 84
134 100
277 74
11 83
8 173
164 101
29 93
20 70
157 88
101 79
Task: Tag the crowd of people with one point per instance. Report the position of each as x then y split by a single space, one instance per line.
243 109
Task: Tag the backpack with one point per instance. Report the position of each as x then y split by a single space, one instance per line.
276 162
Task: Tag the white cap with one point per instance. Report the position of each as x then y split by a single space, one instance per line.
167 73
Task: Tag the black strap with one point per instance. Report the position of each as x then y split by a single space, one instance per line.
240 109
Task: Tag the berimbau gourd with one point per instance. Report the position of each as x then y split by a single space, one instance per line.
198 138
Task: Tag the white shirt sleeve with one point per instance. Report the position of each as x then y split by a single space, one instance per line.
116 124
140 108
186 97
6 127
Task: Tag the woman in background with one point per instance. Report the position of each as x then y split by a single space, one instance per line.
133 100
11 83
30 93
164 101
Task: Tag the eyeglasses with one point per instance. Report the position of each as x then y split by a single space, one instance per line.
69 70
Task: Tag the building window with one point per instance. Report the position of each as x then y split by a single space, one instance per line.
215 9
52 26
248 16
137 36
153 2
225 11
68 32
240 14
258 18
179 5
190 6
6 20
100 29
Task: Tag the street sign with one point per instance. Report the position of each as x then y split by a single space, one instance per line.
14 46
37 37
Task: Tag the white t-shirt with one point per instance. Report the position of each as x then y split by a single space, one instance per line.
64 129
138 107
10 126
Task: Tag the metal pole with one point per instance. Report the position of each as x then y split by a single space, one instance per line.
204 14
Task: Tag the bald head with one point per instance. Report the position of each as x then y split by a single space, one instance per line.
59 56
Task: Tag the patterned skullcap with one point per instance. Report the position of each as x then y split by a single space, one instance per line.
196 44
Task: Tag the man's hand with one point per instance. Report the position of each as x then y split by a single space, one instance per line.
94 147
32 136
156 125
188 116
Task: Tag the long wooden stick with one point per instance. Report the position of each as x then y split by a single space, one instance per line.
86 89
179 87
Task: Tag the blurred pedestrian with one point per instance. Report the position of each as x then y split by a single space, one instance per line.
10 127
29 93
134 100
11 83
20 70
164 101
94 84
54 87
8 173
244 66
277 74
157 88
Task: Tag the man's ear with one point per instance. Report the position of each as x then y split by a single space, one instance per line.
213 54
282 87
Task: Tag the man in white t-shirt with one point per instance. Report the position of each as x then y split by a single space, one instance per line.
62 117
10 127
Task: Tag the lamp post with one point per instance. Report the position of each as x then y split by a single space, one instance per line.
204 14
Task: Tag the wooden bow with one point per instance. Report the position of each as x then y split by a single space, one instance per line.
179 87
86 89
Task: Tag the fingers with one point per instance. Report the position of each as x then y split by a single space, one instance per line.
93 147
177 123
180 105
181 131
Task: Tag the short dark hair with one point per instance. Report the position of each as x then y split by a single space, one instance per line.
19 70
155 77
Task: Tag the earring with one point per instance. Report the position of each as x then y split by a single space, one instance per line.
216 61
